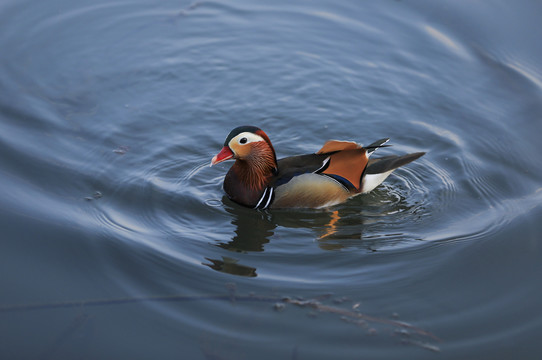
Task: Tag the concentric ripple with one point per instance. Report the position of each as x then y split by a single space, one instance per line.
112 114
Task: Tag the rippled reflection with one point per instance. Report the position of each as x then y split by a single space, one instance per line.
334 228
111 112
253 229
231 266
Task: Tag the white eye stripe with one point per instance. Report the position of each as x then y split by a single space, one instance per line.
245 138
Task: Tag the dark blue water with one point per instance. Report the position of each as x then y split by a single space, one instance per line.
117 240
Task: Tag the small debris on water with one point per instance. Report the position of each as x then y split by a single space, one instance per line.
121 150
95 196
358 322
356 305
402 332
341 300
426 346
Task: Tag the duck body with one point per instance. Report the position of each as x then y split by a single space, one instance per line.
338 171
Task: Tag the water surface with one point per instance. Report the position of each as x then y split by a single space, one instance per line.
118 240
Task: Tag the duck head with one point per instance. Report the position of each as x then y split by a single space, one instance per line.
248 144
255 163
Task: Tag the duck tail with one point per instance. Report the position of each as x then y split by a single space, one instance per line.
377 144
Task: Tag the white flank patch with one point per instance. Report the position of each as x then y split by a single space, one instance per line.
370 181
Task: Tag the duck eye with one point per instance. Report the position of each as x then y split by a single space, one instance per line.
243 140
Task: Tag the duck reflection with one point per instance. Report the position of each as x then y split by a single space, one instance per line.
335 229
231 266
253 228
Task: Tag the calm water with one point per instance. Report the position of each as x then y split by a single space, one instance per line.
117 240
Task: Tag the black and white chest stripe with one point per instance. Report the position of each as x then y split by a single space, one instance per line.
266 199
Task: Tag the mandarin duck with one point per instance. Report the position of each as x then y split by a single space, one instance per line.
336 172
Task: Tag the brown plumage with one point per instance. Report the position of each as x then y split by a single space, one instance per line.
339 170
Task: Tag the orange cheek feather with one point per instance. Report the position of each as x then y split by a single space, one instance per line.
242 151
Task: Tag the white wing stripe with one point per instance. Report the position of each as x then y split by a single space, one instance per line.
323 165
